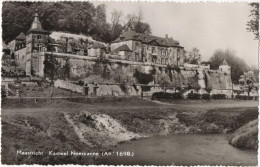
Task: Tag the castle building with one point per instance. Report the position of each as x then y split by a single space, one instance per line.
225 67
148 48
36 44
29 49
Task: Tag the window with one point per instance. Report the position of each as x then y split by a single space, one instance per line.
143 49
136 57
166 61
136 46
39 47
129 56
153 49
39 37
162 61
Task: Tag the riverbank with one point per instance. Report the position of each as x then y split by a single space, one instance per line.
246 136
98 124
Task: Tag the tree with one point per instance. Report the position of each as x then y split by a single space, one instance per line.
194 56
61 16
135 23
255 70
247 81
58 16
116 27
253 24
238 66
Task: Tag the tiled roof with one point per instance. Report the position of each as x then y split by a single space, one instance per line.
146 38
21 36
123 48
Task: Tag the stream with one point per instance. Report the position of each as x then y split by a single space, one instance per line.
181 149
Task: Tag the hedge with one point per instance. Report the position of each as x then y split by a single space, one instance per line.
218 96
194 96
205 96
163 95
244 97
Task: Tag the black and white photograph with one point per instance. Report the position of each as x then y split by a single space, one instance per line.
129 83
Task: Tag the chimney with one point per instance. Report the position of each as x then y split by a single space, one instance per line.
166 36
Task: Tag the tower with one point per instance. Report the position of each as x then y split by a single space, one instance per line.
224 67
36 44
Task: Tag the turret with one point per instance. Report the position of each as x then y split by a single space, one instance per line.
36 43
224 67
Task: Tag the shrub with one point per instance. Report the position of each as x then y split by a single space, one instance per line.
241 97
205 96
194 96
218 96
163 95
244 97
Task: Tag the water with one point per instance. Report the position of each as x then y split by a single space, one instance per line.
192 149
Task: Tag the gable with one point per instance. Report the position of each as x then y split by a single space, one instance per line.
154 42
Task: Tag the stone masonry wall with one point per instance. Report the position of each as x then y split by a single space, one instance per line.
94 71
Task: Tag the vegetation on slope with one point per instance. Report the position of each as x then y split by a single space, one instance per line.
246 136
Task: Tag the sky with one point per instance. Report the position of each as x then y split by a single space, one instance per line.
206 26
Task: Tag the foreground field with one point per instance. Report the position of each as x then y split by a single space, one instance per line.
94 125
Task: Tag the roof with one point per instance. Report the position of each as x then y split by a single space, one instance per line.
36 26
224 62
97 45
123 48
51 40
146 38
21 36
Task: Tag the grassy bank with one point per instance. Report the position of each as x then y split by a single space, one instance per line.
93 125
246 136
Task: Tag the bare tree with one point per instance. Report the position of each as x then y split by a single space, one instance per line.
115 19
194 56
135 22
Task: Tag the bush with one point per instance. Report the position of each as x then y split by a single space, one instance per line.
205 96
244 97
163 95
218 96
194 96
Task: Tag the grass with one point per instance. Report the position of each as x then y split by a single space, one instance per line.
41 126
246 136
